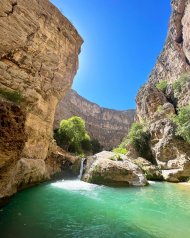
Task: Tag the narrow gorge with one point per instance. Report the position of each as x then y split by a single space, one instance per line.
108 126
140 178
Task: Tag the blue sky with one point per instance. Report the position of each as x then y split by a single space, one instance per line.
122 39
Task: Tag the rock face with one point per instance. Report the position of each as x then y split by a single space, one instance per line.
156 107
38 60
104 170
106 125
152 172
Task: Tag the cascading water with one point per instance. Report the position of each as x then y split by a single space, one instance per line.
81 168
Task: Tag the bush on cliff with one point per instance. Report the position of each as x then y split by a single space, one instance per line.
120 150
179 84
182 122
162 85
139 137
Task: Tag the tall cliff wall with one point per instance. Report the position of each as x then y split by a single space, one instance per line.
106 125
170 152
39 51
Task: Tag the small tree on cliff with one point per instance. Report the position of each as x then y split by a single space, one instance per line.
72 135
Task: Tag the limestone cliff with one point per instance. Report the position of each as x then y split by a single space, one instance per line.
39 51
106 125
172 154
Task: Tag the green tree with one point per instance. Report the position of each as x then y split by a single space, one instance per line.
72 133
182 121
86 143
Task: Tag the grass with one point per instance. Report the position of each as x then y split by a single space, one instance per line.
13 96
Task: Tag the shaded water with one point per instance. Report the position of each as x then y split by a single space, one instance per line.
74 209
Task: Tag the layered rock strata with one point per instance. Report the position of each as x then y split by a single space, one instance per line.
106 125
156 107
39 51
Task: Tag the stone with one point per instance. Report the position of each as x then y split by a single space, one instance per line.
106 125
105 170
152 172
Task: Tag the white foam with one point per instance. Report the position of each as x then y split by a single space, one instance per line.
74 185
151 182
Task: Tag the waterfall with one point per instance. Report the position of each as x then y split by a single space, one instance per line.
81 168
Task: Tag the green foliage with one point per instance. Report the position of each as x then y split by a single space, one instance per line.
120 150
182 121
162 85
72 134
160 108
86 143
116 157
73 137
138 137
178 84
96 146
12 96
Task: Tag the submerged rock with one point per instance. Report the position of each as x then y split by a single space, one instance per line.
105 169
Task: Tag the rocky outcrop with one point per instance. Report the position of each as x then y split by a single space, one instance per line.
152 172
106 125
104 169
156 107
38 60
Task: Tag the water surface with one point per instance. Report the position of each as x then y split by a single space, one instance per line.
74 209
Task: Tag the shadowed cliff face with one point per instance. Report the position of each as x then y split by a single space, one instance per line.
38 60
106 125
170 152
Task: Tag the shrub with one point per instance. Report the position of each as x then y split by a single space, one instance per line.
96 146
162 85
12 96
178 84
139 137
120 150
182 121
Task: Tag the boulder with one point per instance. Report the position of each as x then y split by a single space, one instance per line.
105 169
151 171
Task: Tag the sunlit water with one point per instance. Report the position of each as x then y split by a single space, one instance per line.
74 209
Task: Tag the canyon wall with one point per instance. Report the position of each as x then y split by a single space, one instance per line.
39 51
156 107
106 125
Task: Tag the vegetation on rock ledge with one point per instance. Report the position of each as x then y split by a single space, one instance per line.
12 96
179 84
162 85
182 121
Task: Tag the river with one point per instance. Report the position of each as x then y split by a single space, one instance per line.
75 209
